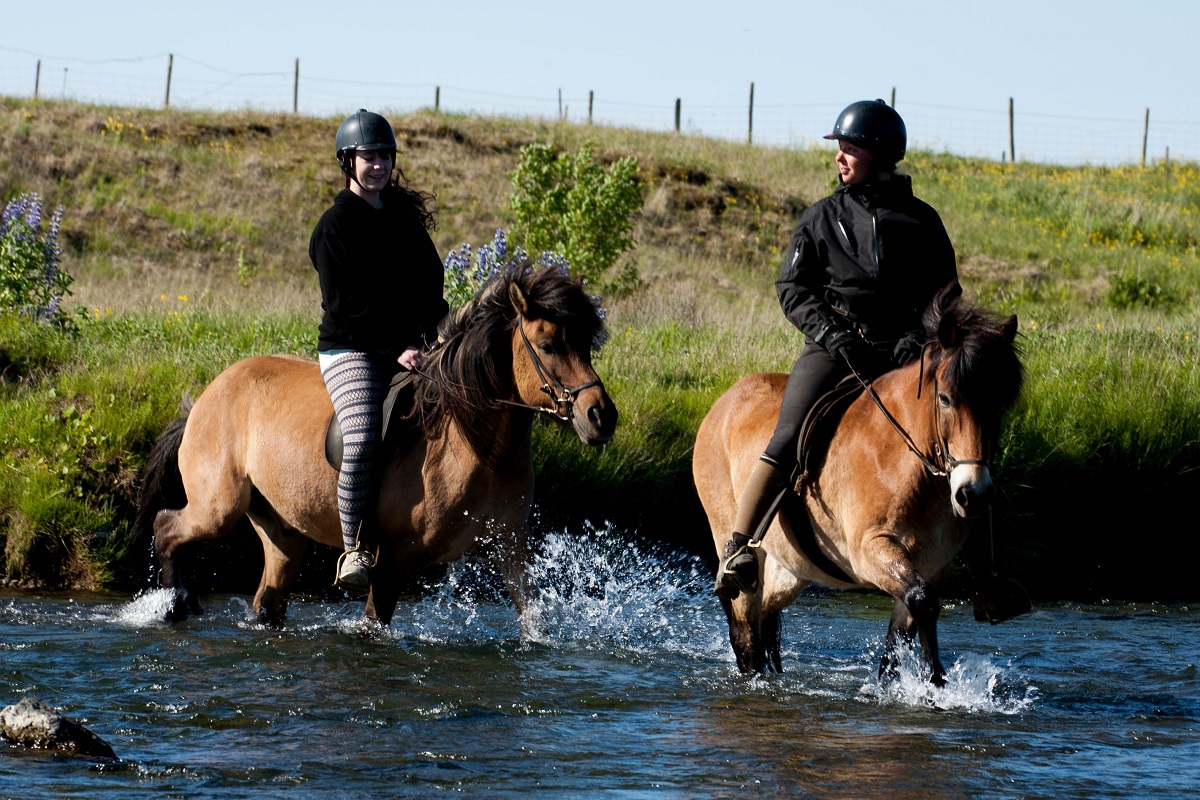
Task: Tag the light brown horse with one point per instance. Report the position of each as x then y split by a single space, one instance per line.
887 515
253 445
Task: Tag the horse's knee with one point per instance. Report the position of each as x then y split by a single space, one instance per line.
923 603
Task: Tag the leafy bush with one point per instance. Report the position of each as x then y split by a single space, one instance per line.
568 203
467 269
1131 291
31 280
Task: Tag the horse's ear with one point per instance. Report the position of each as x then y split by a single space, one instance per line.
517 297
948 332
1009 329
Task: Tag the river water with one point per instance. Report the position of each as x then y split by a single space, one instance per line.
632 692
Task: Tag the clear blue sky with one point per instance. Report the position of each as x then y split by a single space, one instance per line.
1081 73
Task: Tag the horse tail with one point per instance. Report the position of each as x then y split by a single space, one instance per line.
162 485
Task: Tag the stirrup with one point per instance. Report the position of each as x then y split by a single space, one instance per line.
738 571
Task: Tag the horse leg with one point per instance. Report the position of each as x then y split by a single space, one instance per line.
283 553
772 639
902 629
744 615
196 521
512 558
385 586
893 571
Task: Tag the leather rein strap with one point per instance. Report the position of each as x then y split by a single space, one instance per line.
562 397
941 450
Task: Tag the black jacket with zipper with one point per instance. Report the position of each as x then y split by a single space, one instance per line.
869 258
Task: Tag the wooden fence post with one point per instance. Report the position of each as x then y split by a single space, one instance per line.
1012 145
893 97
560 114
296 90
677 103
750 129
170 65
1145 135
437 99
589 106
37 80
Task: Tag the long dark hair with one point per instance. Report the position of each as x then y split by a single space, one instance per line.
419 203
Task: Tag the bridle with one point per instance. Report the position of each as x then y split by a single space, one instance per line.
562 398
941 464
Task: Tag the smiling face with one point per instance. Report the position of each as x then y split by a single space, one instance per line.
853 163
372 170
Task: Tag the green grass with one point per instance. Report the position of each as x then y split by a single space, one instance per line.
188 232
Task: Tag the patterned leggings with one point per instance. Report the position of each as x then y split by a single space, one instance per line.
357 383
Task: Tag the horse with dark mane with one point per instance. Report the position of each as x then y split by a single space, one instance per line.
907 468
253 445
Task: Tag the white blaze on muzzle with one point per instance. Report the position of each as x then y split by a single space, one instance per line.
968 483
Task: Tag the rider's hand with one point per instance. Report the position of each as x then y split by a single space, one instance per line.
908 349
411 359
842 345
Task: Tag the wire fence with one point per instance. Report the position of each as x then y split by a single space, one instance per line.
182 82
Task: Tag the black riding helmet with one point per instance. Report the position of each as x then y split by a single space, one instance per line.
874 125
363 130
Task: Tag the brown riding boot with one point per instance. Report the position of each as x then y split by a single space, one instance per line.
738 570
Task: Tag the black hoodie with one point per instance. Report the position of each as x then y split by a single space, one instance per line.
381 277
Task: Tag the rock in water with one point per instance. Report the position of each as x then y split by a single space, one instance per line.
32 723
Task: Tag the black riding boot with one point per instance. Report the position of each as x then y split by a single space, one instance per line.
995 598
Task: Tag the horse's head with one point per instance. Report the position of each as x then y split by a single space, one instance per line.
974 375
525 340
556 326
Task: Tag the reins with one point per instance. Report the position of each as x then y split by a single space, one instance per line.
562 397
941 451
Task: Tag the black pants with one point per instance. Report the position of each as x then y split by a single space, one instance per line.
815 373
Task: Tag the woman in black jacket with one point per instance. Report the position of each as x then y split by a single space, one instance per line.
861 267
381 292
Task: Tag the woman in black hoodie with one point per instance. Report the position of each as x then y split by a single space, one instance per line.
381 292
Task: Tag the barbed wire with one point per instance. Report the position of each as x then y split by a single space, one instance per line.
959 130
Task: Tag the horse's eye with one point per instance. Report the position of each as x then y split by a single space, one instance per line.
944 399
546 348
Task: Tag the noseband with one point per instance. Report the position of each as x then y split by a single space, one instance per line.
562 398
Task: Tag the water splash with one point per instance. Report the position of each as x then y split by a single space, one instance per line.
602 591
973 684
147 609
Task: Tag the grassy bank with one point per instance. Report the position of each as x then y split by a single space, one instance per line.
187 234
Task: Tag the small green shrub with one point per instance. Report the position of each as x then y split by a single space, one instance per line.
570 204
1134 291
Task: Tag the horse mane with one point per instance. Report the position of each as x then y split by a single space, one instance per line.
471 369
978 347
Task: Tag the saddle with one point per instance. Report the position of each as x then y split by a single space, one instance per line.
816 432
398 405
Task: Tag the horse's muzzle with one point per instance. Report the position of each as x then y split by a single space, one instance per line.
971 490
595 417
